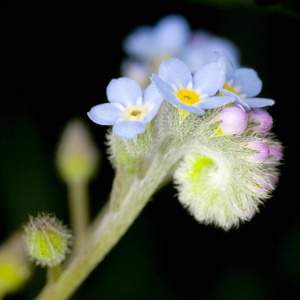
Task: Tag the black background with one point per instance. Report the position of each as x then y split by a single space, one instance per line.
55 63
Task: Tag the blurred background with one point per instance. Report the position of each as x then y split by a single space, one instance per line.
56 60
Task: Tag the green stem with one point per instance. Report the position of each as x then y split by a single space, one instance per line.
53 274
79 212
110 229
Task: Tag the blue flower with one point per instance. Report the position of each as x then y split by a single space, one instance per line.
191 93
166 38
129 109
243 84
197 52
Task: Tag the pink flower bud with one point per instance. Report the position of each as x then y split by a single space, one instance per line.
233 119
275 153
273 180
262 118
262 150
263 186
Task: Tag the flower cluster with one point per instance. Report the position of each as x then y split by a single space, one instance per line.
234 170
130 110
207 118
171 36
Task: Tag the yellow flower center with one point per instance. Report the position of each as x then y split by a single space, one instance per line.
229 88
134 113
188 97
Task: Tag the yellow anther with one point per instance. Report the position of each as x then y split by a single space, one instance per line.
188 97
229 88
134 113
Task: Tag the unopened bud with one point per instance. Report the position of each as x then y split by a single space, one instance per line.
261 151
77 157
233 120
47 240
276 152
14 267
262 118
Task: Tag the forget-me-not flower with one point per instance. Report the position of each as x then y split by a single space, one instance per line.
129 109
243 84
191 92
171 36
164 39
146 46
197 52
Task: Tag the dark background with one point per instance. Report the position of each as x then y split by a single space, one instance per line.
56 60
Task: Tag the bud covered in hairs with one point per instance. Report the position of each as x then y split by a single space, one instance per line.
233 120
47 240
262 118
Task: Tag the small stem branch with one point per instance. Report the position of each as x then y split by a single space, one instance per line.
113 226
109 228
79 211
53 274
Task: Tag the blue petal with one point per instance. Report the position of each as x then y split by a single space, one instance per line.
152 95
217 101
139 43
229 69
171 33
176 72
210 78
152 101
258 102
124 91
193 109
224 45
237 98
164 88
248 82
128 129
194 57
167 37
105 114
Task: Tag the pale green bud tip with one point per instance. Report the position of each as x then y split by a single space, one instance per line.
47 240
14 267
77 157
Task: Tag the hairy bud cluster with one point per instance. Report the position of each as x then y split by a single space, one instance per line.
225 179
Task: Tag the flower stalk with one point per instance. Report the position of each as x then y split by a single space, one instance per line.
79 212
109 230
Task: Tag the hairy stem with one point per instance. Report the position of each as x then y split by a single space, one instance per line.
112 226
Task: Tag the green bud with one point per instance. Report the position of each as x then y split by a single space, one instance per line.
14 267
219 186
47 240
77 157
